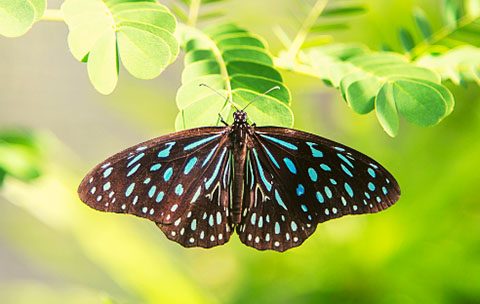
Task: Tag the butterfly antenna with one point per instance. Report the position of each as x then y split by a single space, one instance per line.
218 93
265 93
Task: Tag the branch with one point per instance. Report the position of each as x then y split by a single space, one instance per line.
305 29
53 15
441 34
193 12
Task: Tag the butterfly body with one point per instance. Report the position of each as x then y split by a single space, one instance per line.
271 185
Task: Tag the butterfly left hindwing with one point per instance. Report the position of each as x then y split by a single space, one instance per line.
296 180
178 181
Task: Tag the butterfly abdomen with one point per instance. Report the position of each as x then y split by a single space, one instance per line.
240 154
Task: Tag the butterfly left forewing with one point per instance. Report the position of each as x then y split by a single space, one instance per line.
171 180
306 179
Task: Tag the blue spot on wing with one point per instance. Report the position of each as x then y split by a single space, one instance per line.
168 174
315 152
135 159
325 167
281 142
346 170
277 228
384 190
313 174
279 200
290 165
129 190
107 172
152 191
250 172
155 167
346 160
133 170
200 142
328 192
260 171
300 190
217 169
320 197
209 156
179 189
160 196
348 189
272 158
166 152
190 165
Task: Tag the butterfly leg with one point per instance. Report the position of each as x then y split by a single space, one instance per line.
222 120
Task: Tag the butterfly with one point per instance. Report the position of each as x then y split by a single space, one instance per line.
271 185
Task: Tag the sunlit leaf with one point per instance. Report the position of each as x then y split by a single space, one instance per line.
406 39
386 82
139 33
18 16
452 11
322 27
422 23
386 110
461 64
19 155
237 64
422 102
340 11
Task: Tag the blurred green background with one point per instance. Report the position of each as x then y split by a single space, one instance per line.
54 249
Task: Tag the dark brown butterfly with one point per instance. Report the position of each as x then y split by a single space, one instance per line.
271 185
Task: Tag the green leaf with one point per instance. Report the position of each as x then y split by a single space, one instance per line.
422 102
422 23
142 53
139 33
236 64
386 82
341 11
386 110
103 63
19 155
459 65
323 27
406 39
18 16
452 11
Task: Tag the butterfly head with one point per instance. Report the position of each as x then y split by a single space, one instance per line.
240 117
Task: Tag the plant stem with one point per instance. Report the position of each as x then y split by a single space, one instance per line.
193 12
296 67
53 15
302 34
441 34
